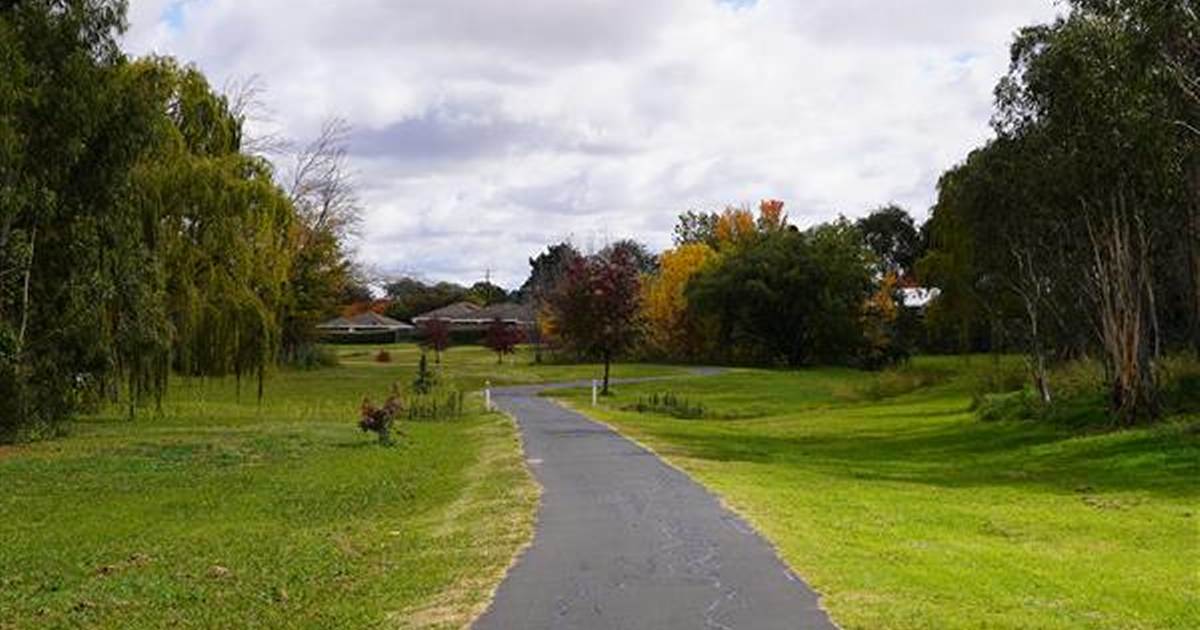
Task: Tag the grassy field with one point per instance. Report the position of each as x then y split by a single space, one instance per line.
220 512
907 512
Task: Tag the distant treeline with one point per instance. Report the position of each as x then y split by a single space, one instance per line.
1073 233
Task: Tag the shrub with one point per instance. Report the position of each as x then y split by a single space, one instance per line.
1077 379
312 357
668 404
426 379
898 381
440 403
431 400
383 356
1181 384
1001 377
1077 390
379 419
1018 405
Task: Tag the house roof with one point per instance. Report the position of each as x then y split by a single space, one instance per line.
336 322
467 312
508 311
458 310
368 320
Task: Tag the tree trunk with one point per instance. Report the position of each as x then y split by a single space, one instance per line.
607 363
1029 288
1193 253
1122 286
25 292
1037 357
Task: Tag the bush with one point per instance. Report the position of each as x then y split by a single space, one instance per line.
898 381
1076 388
1079 393
1002 377
383 356
440 403
1018 405
426 378
312 357
668 404
379 420
1181 384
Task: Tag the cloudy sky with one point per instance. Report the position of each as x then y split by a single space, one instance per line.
486 129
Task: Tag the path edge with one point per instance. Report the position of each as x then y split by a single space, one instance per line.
519 552
716 495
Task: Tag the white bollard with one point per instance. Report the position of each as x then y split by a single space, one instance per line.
487 395
593 392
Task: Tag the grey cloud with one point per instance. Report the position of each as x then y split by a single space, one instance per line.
489 128
461 134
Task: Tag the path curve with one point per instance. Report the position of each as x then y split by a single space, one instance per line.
625 541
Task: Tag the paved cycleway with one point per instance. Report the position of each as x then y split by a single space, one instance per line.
625 541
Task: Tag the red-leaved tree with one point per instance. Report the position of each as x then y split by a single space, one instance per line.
502 338
593 309
435 335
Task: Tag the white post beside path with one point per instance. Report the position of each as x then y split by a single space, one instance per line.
593 392
487 395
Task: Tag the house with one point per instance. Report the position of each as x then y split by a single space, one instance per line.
469 316
453 313
365 325
918 298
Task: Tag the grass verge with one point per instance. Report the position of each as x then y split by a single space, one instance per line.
908 512
220 511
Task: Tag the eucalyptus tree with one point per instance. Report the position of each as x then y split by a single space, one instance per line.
72 250
1083 209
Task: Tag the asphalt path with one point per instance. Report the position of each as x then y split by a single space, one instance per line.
625 541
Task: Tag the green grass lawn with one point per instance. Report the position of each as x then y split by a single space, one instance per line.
907 512
220 512
471 366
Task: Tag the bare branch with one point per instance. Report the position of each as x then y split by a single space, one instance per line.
321 185
246 102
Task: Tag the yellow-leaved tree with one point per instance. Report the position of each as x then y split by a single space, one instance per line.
669 329
735 227
879 316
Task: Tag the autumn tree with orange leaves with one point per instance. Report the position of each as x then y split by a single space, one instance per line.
671 330
731 228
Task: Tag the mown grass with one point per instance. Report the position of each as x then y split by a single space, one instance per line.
906 511
472 366
219 511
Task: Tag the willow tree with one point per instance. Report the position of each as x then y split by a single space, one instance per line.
135 235
221 229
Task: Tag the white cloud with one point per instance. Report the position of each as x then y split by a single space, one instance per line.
487 129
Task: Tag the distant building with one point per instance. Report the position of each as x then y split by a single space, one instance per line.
365 325
469 316
919 297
